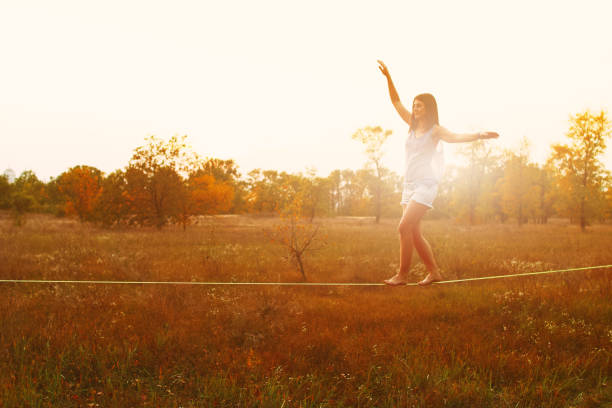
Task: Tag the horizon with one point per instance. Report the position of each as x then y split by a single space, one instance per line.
457 162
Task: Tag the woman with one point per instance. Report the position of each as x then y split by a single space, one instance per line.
424 166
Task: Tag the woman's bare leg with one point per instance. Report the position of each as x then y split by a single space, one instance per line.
424 250
413 212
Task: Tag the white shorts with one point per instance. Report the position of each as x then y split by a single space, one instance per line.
422 193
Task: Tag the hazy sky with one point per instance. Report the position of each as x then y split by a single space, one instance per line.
284 84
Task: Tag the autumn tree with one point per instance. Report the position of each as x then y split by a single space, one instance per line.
516 185
374 138
608 200
542 195
226 172
581 175
5 192
270 191
112 206
81 187
315 194
222 170
211 196
202 194
154 180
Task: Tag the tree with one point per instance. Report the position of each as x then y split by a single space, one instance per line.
335 193
226 172
221 170
154 180
353 192
211 196
271 191
81 187
5 192
21 203
516 185
298 237
374 138
472 184
54 198
28 184
389 187
112 207
315 194
153 198
491 205
542 194
202 194
608 200
581 176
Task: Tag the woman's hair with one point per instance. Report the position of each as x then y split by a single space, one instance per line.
431 111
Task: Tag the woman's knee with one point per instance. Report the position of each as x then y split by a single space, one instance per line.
411 218
417 235
406 227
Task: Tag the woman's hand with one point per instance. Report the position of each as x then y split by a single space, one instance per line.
383 68
488 135
395 100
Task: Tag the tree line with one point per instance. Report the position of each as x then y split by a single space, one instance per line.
165 182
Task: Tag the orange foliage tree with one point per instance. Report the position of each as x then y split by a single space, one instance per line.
581 176
203 194
226 171
112 206
210 196
154 187
81 187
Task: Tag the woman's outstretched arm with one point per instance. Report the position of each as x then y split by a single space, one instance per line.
450 137
403 112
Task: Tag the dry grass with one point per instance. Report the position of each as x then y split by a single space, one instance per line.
519 342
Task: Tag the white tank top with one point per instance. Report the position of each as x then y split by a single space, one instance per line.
424 159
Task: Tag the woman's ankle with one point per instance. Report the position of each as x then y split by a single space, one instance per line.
434 272
403 274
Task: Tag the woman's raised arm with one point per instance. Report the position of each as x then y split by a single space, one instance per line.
450 137
403 112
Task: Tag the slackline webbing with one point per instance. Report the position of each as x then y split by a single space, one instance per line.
287 283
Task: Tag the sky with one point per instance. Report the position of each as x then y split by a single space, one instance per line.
284 84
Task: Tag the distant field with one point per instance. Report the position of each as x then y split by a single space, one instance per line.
540 341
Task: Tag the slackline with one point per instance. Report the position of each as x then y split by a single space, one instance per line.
102 282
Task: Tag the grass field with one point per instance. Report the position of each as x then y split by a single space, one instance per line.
539 341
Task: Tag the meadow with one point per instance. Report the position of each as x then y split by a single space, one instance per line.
534 341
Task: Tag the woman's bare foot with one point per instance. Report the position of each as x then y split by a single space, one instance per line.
396 280
431 278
